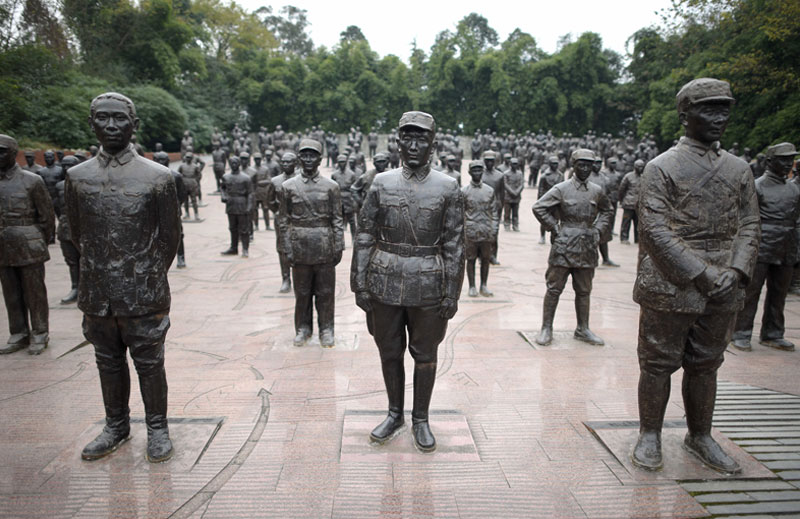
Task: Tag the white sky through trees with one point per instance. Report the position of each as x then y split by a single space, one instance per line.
390 27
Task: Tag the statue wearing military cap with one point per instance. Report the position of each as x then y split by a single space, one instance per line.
778 254
550 176
362 184
288 165
576 212
345 176
27 225
312 232
480 227
261 179
237 195
407 271
698 243
191 180
493 177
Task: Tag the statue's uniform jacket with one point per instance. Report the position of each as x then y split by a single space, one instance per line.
238 193
682 229
27 221
779 208
345 179
275 204
629 190
52 175
480 213
547 179
125 221
310 221
262 184
410 245
584 213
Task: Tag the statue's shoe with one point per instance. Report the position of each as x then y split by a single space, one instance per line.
707 450
647 452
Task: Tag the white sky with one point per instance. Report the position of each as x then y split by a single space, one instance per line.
390 27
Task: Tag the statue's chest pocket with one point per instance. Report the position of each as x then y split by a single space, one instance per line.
429 216
18 202
390 212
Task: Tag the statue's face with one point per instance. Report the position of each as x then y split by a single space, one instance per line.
288 164
416 146
706 122
309 161
49 158
113 125
341 163
7 157
476 174
489 164
780 164
597 166
30 159
257 160
451 163
638 167
553 165
380 165
233 162
582 169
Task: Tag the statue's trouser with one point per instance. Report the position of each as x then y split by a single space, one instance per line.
603 248
422 330
239 226
144 337
219 171
25 294
314 285
629 216
282 259
511 214
475 250
72 258
556 279
669 341
778 279
350 218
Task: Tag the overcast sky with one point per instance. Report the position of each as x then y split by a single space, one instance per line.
391 26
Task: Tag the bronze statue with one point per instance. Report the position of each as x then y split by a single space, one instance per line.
186 142
493 177
161 157
628 197
361 186
218 158
124 219
598 178
312 232
72 256
288 165
237 194
191 179
550 177
576 212
513 183
698 241
481 226
261 178
30 162
407 271
778 254
26 227
451 163
346 177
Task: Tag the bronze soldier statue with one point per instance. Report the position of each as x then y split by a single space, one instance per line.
576 212
218 158
513 183
598 178
311 228
30 162
698 242
237 194
407 271
493 177
52 174
162 157
346 177
26 227
628 197
288 165
191 179
72 256
550 176
262 184
361 186
450 168
124 219
480 226
779 207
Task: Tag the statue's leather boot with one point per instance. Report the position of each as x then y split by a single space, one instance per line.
424 379
778 344
742 344
541 240
15 343
72 296
303 334
196 215
389 428
154 396
326 338
245 253
116 390
582 332
699 395
286 285
233 250
246 239
473 292
424 440
39 343
485 292
548 313
286 270
647 452
181 261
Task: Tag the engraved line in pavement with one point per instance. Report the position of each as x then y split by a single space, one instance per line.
81 367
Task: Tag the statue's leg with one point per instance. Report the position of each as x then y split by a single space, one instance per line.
582 284
303 308
555 279
387 324
743 327
18 326
324 290
772 323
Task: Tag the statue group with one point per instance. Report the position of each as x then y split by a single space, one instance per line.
709 239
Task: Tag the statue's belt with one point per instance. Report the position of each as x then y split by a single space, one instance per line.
16 221
408 250
709 244
297 223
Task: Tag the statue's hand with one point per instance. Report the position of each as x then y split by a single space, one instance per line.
706 281
448 308
363 301
724 284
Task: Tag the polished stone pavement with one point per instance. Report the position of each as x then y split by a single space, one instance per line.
264 429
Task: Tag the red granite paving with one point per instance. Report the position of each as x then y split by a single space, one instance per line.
293 436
